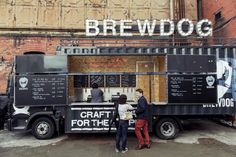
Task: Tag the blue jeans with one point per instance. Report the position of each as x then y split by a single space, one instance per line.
121 135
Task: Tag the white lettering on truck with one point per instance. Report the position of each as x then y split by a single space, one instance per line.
223 102
94 119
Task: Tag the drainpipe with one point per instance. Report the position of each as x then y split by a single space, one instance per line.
199 9
171 9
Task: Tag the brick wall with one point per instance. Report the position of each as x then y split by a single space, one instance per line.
228 11
71 14
11 46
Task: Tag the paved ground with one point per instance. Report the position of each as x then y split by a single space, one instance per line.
200 139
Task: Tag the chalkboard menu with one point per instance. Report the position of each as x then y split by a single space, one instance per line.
192 89
81 81
40 90
128 81
98 79
113 81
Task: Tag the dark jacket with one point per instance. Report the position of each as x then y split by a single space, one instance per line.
115 117
142 109
115 113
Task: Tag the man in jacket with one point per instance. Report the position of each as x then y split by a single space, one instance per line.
142 121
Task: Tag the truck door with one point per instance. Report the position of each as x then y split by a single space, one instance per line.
145 81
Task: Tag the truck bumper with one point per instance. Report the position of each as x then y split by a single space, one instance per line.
16 125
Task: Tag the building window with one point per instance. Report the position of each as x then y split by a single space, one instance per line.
218 16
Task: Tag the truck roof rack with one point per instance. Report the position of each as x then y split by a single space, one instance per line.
161 50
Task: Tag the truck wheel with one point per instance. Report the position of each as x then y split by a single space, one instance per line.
43 128
167 128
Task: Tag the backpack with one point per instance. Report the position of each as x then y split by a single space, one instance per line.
115 118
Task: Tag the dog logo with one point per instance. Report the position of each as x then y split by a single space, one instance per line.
210 81
23 83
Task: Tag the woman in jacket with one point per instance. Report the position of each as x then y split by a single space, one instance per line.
121 136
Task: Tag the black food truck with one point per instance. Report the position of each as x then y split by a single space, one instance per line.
51 94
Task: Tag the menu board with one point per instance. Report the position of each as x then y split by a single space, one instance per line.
113 81
192 89
81 81
98 79
128 81
40 90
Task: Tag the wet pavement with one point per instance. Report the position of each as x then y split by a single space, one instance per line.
200 138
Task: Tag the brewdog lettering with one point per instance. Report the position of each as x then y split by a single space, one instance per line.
184 27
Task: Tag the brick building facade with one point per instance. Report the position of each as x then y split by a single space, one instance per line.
39 25
223 15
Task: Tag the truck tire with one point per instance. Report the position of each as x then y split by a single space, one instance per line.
166 128
43 128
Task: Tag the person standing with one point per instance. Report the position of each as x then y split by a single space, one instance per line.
96 94
142 121
121 136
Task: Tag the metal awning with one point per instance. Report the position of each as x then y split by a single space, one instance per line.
137 51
